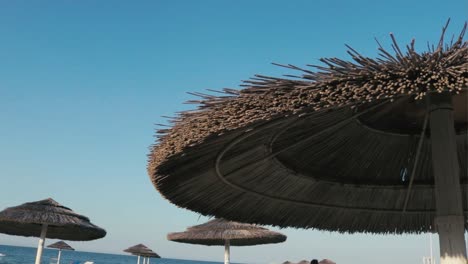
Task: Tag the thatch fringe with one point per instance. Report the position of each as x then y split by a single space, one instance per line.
232 156
217 231
60 245
341 83
63 223
142 250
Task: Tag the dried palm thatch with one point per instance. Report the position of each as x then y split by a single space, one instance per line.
141 250
217 231
60 245
150 254
137 249
27 220
344 148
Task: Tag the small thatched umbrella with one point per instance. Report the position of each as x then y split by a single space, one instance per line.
374 145
141 250
60 245
149 255
219 232
47 218
137 250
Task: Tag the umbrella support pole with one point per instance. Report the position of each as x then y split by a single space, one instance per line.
226 252
449 221
40 246
138 261
58 258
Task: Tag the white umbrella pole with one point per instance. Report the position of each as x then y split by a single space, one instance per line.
430 241
138 261
449 220
226 251
148 260
58 258
40 246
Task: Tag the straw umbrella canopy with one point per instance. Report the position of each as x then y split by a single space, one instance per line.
60 245
141 250
137 249
47 218
370 145
219 232
148 255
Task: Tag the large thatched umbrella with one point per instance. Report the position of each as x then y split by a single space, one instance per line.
47 218
374 145
219 232
141 250
60 245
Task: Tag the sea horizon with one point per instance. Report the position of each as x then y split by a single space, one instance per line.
26 254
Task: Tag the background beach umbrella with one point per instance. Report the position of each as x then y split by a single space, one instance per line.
60 245
141 250
219 232
137 250
372 146
47 218
148 255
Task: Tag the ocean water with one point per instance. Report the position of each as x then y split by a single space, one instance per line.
27 255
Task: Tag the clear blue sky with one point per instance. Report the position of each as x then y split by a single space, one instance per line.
83 83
